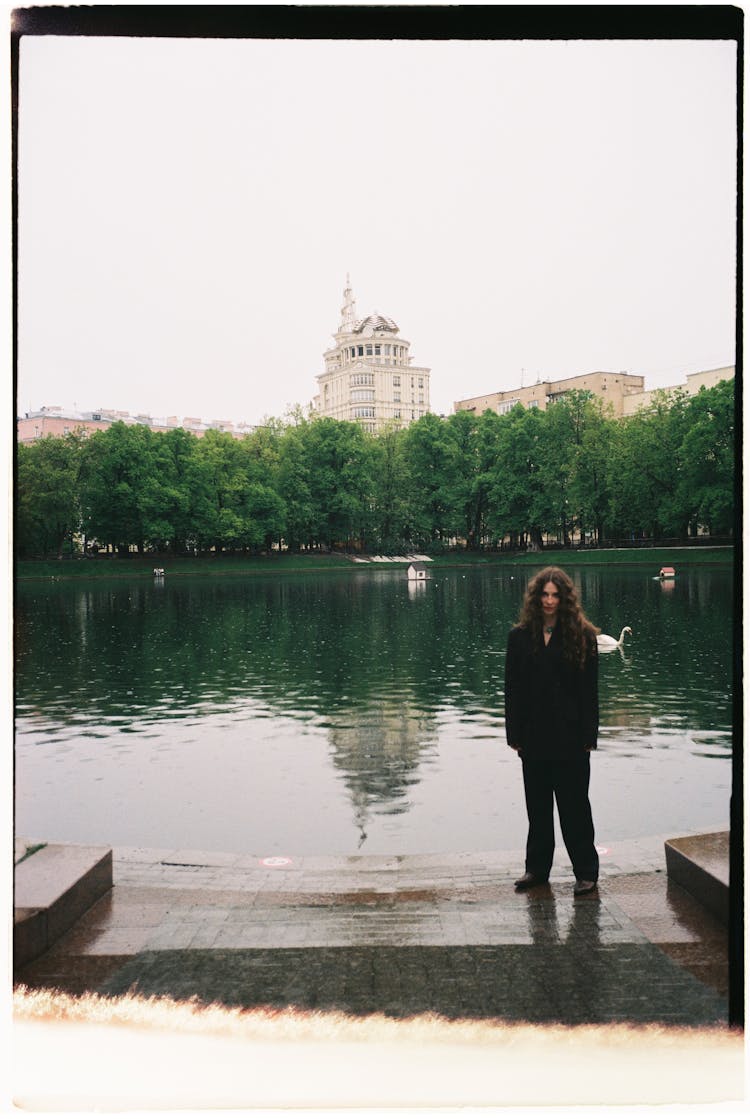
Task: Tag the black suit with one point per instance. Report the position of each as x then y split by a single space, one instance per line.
552 717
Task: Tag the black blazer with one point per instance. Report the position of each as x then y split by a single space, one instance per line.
551 705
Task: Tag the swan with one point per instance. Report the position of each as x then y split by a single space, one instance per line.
605 642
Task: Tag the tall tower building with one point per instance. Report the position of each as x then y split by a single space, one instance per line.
368 374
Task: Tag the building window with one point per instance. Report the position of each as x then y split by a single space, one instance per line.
396 379
363 413
363 394
377 349
421 398
397 413
360 350
420 384
507 406
387 349
397 397
368 350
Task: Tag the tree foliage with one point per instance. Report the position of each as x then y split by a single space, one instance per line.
570 473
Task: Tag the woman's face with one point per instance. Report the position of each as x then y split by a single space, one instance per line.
550 602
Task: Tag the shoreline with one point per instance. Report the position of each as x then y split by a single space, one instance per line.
121 567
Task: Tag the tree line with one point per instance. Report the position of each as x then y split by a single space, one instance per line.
569 474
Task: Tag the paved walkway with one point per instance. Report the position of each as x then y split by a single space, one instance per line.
402 936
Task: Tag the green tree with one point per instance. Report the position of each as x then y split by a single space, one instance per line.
267 506
430 463
706 488
589 490
645 473
516 489
468 492
222 521
294 485
172 491
340 460
488 447
48 504
560 428
119 472
390 526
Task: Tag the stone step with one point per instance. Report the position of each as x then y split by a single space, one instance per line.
55 886
700 864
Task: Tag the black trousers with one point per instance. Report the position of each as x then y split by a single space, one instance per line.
568 783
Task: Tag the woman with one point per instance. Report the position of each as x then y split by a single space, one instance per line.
552 722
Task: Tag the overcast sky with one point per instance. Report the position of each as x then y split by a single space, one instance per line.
189 210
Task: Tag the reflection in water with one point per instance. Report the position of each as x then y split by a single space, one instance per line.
326 712
378 755
577 922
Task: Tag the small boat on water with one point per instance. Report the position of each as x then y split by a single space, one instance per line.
667 573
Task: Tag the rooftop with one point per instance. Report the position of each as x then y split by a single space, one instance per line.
375 322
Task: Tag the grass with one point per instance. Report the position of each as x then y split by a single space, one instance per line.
142 566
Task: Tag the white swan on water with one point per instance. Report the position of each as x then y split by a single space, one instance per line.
605 642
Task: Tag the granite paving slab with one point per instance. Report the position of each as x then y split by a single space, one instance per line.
530 983
400 935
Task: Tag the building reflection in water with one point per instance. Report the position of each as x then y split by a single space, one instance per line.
378 755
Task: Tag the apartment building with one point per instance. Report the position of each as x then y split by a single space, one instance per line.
625 392
61 421
369 377
613 388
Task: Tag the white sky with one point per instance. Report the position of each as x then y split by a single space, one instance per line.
189 209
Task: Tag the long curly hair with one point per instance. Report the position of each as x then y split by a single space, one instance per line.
576 630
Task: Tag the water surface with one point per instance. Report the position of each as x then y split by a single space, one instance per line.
350 713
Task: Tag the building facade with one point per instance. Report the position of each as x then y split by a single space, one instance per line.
369 378
625 392
613 388
61 421
694 382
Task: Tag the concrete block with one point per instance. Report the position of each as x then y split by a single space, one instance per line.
29 935
53 888
700 864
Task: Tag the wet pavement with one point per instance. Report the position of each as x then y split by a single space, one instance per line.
400 936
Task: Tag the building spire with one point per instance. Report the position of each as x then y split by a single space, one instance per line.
348 315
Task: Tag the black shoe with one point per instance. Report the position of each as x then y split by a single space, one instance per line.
528 880
583 886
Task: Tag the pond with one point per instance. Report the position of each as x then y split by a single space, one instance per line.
350 713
